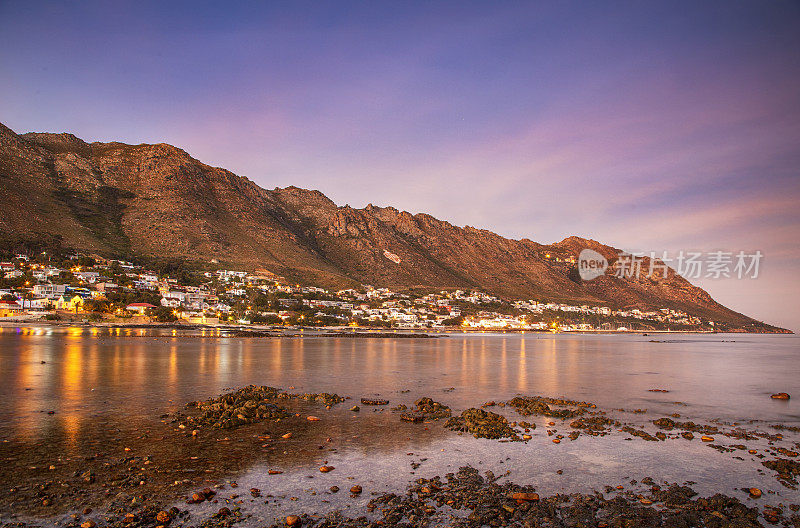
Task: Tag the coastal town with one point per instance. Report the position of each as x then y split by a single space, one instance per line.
82 288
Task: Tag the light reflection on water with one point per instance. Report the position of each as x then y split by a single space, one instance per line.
143 373
105 386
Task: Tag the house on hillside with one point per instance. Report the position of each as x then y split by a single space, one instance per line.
51 291
139 308
9 308
73 304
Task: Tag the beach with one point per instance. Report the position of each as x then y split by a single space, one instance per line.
97 419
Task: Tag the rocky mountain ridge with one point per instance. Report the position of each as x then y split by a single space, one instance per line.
155 200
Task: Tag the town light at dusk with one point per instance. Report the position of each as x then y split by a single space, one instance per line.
399 264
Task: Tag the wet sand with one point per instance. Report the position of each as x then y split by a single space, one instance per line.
269 468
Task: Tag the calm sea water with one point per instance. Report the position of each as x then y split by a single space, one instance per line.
83 374
102 383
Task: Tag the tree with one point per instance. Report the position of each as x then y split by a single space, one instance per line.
265 319
453 321
96 305
162 314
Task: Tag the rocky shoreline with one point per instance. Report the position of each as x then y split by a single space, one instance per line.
214 439
467 499
231 330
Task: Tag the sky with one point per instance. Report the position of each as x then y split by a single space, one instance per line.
649 126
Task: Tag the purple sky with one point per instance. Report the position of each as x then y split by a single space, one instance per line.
643 125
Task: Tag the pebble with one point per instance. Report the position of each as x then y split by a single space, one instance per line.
355 408
780 396
292 520
326 469
88 524
755 492
521 496
287 435
312 419
526 437
163 517
705 438
355 490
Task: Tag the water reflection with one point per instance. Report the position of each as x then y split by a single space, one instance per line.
129 376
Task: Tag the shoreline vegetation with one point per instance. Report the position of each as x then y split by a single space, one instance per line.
146 485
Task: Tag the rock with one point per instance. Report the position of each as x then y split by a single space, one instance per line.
292 520
664 423
538 405
526 437
754 492
780 396
374 401
88 524
274 472
255 492
521 496
788 470
481 424
287 435
334 489
129 518
355 490
432 410
312 419
705 438
223 512
163 517
556 441
355 408
326 469
412 417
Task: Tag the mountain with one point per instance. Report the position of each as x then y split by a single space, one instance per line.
130 201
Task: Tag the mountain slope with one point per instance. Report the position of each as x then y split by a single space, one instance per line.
156 200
